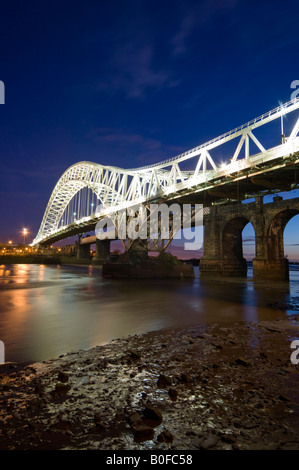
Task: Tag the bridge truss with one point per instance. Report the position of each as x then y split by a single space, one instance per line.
71 207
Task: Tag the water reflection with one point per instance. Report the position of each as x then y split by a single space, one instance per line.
46 311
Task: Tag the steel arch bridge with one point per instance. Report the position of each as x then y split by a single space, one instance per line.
69 210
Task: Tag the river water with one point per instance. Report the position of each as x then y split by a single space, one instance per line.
46 311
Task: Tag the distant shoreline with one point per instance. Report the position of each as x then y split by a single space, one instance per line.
72 261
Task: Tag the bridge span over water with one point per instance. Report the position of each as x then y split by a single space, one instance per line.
251 166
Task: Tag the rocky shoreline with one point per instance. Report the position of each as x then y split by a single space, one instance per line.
228 387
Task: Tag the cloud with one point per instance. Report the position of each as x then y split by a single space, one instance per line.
199 16
115 136
131 70
132 145
179 39
249 240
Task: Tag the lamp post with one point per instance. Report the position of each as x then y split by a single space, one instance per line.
25 232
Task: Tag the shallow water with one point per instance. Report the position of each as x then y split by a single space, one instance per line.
46 311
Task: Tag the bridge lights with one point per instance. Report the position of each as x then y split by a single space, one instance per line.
282 107
25 232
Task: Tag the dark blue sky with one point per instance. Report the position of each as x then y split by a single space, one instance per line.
129 83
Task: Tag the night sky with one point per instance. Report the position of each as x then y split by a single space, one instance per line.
129 84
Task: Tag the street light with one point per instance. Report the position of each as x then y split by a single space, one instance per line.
25 232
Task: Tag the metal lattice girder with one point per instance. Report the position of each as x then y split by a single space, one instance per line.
119 188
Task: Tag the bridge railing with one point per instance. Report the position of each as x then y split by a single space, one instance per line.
275 113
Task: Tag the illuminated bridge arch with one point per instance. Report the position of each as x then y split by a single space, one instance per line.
112 187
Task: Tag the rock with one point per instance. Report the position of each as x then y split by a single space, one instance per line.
134 355
135 420
61 389
263 355
63 377
99 423
39 388
185 378
152 416
208 442
163 381
165 436
191 432
289 445
143 433
283 398
173 394
228 437
242 362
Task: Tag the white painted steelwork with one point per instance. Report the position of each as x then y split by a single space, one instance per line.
119 188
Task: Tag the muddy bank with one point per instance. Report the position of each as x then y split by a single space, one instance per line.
228 386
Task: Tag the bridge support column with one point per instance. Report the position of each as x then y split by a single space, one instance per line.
211 262
220 267
83 251
267 269
270 263
102 251
223 254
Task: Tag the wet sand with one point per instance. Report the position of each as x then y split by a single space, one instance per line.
221 386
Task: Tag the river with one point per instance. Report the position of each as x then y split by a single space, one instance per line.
46 311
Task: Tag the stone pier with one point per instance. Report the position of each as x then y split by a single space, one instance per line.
83 251
102 251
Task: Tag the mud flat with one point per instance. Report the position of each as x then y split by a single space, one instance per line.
228 386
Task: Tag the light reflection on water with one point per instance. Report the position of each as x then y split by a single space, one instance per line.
46 311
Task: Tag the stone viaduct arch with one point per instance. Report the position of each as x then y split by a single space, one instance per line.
223 254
